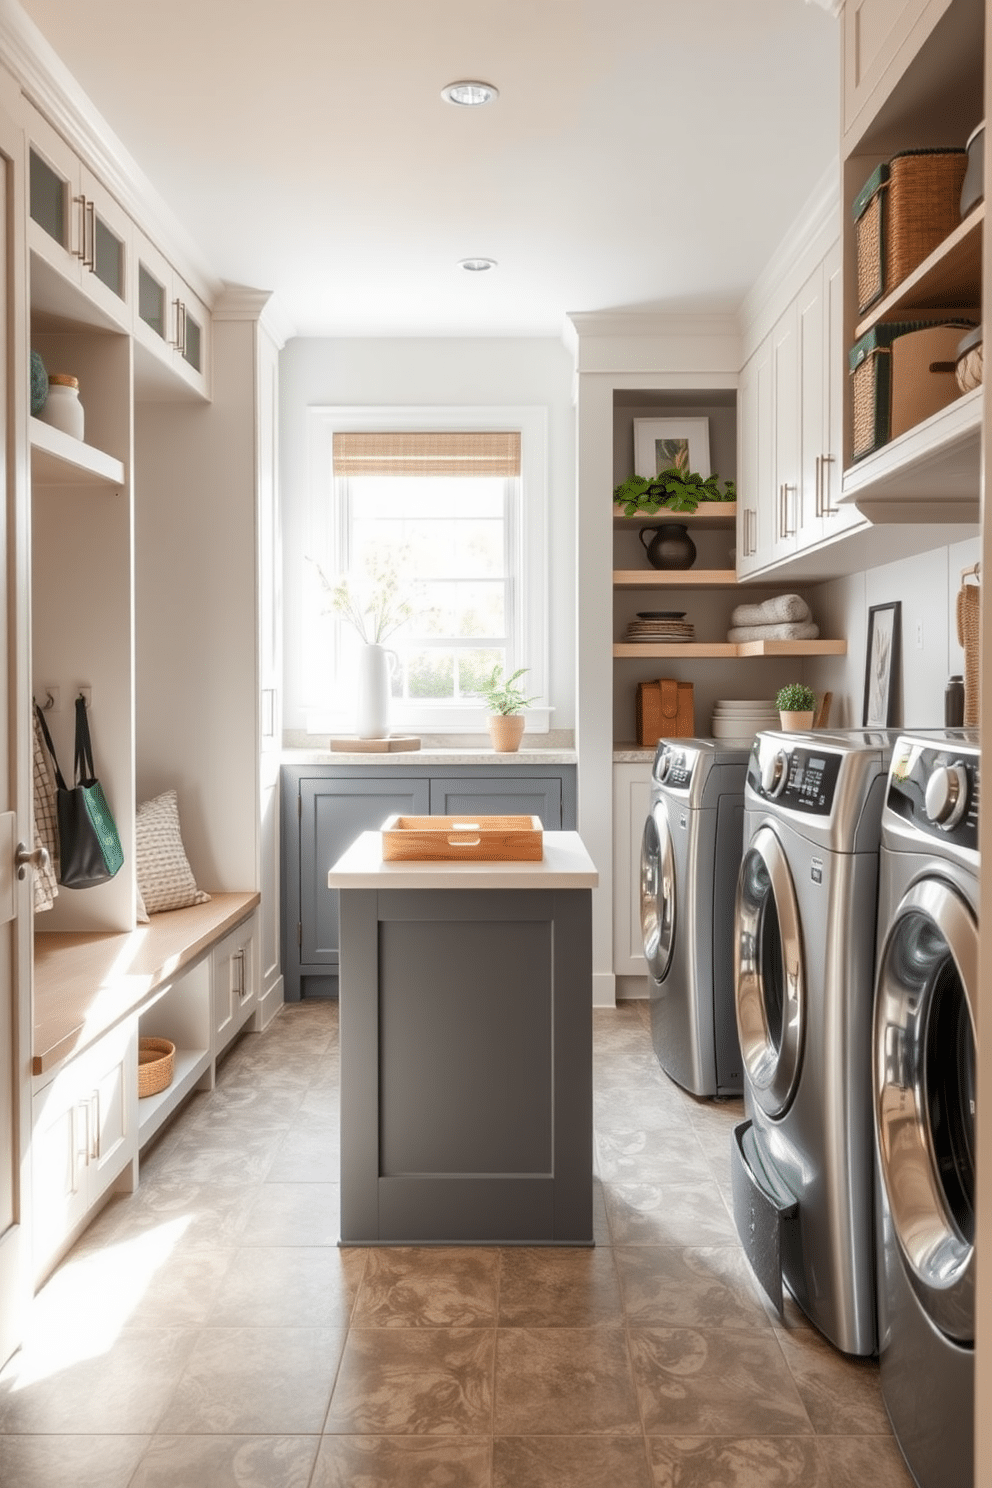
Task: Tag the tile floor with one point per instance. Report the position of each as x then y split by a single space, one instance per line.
208 1332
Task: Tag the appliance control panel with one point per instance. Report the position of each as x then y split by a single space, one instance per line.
673 766
936 788
804 779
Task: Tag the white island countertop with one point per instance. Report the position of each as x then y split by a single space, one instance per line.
565 865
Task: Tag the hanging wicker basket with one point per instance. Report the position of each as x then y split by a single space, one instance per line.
969 622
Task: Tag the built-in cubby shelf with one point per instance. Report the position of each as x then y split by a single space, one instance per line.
929 474
701 650
673 578
59 460
709 514
949 279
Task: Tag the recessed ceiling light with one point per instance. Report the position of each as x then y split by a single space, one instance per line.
468 94
477 265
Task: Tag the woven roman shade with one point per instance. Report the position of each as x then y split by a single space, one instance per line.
488 452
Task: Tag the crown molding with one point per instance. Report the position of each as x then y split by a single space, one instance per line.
241 302
47 83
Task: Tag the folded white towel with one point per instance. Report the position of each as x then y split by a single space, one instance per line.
794 631
772 611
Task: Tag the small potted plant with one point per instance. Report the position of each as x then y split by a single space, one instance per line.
505 703
796 704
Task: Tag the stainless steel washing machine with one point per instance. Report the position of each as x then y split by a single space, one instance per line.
804 961
690 856
923 1056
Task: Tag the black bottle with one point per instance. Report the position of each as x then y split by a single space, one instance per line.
954 702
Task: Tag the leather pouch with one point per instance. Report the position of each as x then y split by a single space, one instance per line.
665 710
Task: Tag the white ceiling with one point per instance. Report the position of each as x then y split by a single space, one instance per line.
642 155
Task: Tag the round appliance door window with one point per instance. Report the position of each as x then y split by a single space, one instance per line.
924 1076
658 892
769 981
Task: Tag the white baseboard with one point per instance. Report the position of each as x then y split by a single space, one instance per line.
604 989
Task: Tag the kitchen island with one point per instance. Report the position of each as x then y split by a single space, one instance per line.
466 1047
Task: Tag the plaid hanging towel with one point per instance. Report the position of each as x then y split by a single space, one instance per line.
46 884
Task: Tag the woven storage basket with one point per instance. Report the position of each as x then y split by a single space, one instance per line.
902 213
969 620
901 373
156 1065
968 368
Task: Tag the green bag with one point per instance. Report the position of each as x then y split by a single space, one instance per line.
89 845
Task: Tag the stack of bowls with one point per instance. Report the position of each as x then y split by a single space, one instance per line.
742 719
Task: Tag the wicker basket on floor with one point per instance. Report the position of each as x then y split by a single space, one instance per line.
156 1065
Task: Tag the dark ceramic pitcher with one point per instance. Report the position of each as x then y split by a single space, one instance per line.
670 546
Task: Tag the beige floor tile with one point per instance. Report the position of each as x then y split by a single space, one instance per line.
564 1382
617 1111
864 1459
428 1287
94 1386
550 1288
755 1462
266 1381
698 1382
414 1381
692 1288
225 1157
403 1462
79 1461
307 1154
842 1395
226 1462
190 1216
668 1214
570 1462
288 1287
646 1156
293 1214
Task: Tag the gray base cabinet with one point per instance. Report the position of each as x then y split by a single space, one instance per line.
466 1067
325 807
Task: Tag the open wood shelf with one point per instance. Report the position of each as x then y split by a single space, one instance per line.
702 650
708 514
929 474
949 279
673 578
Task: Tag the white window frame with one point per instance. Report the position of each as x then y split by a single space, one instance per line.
325 710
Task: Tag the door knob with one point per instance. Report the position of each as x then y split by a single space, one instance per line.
25 858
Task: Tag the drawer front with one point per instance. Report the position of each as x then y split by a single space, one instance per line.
514 794
234 975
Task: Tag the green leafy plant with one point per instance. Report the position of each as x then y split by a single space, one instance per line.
795 697
671 490
501 696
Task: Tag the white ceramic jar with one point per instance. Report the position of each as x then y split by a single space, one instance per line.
62 406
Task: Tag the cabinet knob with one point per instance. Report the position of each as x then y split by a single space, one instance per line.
25 858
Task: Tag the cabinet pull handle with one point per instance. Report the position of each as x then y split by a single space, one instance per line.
94 1142
179 339
80 250
89 219
786 530
829 510
818 483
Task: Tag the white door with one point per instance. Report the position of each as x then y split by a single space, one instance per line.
15 761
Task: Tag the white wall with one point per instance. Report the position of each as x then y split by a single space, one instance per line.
927 588
417 372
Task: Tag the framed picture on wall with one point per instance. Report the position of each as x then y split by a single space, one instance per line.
882 665
664 443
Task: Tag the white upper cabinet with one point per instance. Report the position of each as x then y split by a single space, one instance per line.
75 225
880 37
170 321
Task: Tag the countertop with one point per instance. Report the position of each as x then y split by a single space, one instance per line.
407 757
566 865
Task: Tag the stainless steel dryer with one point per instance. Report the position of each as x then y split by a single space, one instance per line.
926 1005
690 856
804 962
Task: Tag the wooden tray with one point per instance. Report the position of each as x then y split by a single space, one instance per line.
484 839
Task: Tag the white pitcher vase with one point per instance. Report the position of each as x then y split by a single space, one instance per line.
375 667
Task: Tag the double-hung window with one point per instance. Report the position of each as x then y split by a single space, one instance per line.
443 522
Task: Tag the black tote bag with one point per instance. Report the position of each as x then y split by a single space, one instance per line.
89 846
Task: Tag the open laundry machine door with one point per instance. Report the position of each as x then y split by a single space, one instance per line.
924 1090
769 977
658 898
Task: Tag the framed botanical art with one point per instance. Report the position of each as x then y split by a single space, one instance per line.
882 665
667 443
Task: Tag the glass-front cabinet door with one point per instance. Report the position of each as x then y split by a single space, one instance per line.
170 319
75 225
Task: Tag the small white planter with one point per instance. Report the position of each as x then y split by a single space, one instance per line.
506 730
795 723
